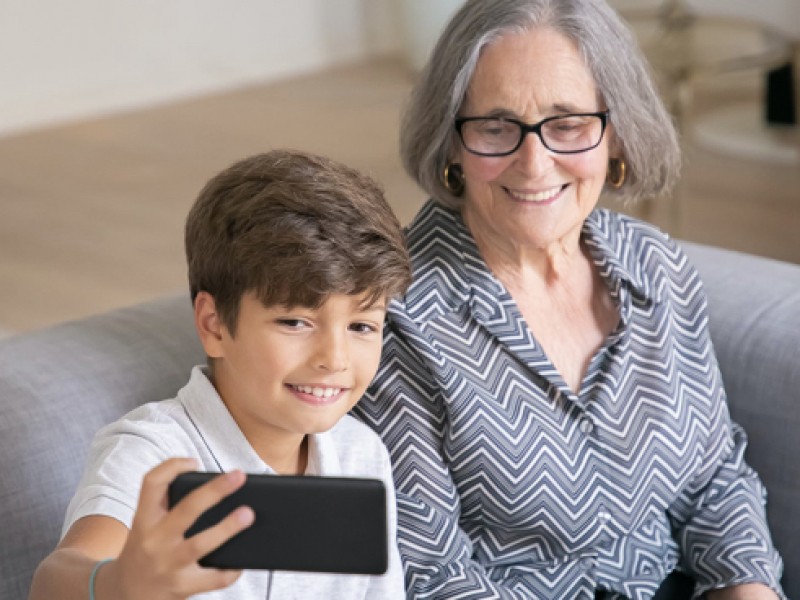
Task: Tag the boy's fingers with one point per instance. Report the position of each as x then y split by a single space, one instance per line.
152 498
209 539
186 512
202 580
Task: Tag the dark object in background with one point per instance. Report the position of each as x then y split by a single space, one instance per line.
781 105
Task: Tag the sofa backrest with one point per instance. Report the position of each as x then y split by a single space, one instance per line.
754 306
60 385
57 387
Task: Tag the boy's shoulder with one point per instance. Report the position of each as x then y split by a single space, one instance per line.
161 422
166 424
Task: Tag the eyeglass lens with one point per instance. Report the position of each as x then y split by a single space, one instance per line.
569 133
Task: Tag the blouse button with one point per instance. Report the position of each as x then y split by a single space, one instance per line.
587 426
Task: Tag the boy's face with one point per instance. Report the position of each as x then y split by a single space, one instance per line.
292 371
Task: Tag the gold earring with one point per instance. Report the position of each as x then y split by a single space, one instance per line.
616 173
454 179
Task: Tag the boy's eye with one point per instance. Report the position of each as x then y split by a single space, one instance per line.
292 323
363 328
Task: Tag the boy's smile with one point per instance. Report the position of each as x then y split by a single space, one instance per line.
291 371
318 395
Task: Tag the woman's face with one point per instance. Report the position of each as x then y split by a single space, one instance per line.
533 198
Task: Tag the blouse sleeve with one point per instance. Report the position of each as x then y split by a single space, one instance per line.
405 407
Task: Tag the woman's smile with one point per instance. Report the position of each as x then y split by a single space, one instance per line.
540 197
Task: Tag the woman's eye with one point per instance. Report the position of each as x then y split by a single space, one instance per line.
494 128
567 125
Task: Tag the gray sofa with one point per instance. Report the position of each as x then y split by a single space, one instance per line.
59 385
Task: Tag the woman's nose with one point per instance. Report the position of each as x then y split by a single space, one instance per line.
532 156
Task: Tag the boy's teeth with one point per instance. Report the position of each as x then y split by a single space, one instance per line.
318 391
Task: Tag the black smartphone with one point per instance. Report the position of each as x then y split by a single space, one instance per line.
303 523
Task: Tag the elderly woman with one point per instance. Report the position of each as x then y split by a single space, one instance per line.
548 391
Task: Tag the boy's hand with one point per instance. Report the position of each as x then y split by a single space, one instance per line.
157 562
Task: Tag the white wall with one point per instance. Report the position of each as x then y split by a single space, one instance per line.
423 21
62 60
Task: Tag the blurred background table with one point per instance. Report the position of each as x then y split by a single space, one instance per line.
690 44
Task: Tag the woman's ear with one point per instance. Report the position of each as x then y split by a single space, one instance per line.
209 326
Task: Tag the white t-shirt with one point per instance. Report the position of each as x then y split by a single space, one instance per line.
197 424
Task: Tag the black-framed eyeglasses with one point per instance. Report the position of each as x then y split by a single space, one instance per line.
563 134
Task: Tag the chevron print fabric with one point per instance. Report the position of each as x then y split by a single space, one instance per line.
510 485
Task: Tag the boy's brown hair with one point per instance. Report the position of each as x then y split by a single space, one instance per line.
293 228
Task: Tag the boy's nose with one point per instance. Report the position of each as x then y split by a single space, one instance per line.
333 353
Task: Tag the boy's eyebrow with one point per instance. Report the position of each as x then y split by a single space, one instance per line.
380 304
374 306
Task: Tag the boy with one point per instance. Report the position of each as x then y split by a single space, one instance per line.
292 259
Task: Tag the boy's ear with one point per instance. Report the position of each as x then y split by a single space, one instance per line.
208 324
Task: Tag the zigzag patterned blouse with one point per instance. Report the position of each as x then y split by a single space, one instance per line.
510 485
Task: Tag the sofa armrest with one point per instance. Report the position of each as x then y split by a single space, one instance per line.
754 307
58 386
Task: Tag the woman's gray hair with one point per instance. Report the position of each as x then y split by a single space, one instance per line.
645 132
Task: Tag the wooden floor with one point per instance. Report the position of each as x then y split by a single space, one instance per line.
91 214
